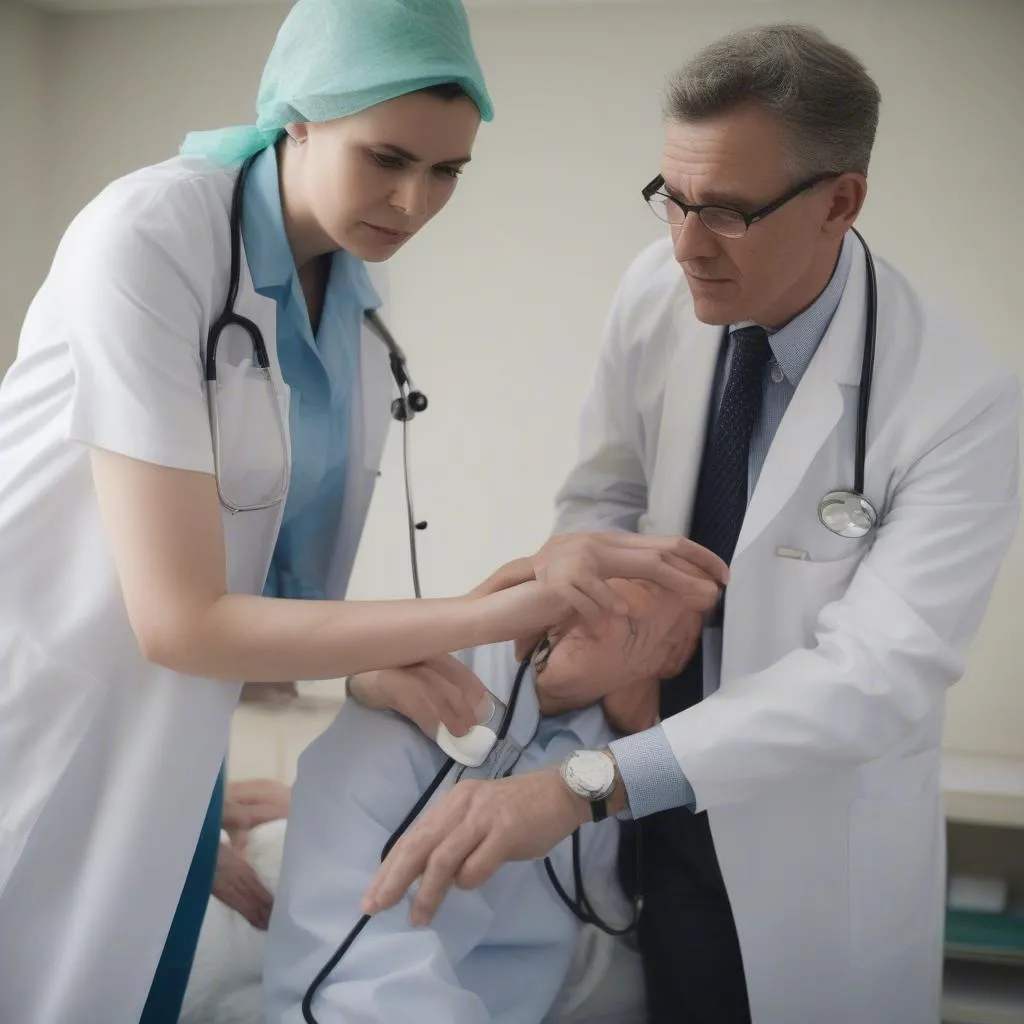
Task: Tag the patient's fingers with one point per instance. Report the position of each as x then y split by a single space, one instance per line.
456 694
236 884
518 818
668 571
407 860
673 548
439 690
480 865
441 868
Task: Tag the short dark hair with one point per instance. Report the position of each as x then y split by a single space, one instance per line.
821 94
446 90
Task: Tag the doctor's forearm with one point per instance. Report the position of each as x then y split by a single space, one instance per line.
266 639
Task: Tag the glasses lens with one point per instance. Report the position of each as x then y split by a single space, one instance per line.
723 222
662 207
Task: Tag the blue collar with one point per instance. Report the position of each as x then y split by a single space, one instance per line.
269 255
795 344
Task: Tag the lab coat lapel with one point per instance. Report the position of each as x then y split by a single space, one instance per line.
815 409
683 426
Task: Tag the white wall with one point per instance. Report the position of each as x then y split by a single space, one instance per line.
22 111
500 304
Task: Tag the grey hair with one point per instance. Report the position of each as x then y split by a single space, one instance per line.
821 94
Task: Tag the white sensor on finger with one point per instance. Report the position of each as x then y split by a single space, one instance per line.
472 749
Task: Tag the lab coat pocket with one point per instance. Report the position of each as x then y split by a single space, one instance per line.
250 436
810 585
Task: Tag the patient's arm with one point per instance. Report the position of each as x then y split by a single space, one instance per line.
497 954
355 784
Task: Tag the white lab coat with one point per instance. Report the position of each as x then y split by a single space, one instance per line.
107 762
818 758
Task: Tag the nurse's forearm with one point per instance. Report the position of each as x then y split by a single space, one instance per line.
166 533
258 639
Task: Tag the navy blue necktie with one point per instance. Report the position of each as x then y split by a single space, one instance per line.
721 500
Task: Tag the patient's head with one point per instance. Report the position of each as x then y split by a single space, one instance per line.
653 643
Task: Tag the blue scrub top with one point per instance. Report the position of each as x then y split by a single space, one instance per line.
321 370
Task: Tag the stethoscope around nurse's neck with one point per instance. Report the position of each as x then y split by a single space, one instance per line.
404 408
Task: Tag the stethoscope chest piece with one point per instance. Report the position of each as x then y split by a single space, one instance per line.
847 514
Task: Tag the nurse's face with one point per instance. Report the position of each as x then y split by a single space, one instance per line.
369 182
740 160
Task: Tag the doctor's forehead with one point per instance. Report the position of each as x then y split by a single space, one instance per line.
735 157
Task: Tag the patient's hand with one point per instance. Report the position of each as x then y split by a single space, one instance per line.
236 884
623 660
439 690
252 802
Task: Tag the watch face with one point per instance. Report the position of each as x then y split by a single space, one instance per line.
589 773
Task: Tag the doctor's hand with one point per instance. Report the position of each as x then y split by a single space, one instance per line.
474 829
439 690
577 567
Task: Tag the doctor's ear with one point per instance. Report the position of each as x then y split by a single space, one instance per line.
847 195
297 133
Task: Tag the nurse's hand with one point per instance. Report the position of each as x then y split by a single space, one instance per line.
474 829
577 567
439 690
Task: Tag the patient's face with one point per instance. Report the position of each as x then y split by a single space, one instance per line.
653 644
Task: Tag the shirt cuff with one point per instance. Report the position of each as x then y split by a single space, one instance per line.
651 774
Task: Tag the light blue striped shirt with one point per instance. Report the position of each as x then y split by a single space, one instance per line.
652 776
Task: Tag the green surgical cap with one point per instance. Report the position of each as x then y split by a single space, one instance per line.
334 58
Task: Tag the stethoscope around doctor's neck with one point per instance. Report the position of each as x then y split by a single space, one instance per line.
404 408
850 513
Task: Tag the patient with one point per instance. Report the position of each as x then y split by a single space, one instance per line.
499 953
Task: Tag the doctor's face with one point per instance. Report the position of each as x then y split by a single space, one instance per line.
739 160
369 182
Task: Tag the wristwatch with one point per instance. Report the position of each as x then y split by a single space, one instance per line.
590 774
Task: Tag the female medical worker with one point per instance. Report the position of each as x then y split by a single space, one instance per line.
128 595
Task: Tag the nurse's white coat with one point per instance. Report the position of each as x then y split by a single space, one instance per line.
107 762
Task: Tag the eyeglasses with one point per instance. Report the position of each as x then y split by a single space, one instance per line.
722 220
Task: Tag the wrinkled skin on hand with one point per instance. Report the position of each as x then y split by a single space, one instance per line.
620 661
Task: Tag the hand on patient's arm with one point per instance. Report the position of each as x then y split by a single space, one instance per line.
579 566
474 829
236 884
439 690
166 532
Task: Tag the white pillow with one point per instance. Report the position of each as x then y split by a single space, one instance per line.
225 985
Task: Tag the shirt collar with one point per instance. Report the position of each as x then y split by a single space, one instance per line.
794 344
269 255
266 244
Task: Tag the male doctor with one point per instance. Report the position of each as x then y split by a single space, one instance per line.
789 796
